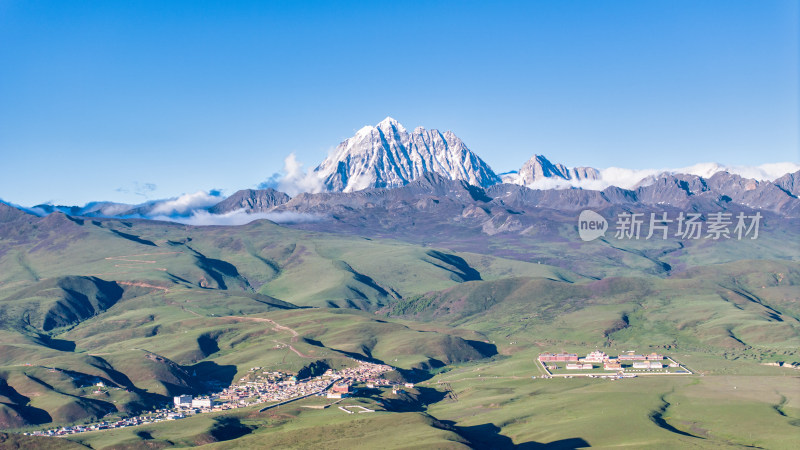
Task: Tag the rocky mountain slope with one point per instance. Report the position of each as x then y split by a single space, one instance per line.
251 200
723 191
388 156
539 167
789 183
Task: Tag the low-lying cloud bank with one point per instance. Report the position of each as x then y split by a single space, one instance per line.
238 217
186 204
189 209
633 178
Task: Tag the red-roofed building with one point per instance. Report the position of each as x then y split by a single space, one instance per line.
343 388
558 357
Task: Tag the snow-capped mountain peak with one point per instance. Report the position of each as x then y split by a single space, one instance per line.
387 155
365 131
388 123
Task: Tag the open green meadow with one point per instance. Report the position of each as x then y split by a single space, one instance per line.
660 411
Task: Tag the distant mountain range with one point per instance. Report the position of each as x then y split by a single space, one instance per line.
433 209
387 156
505 220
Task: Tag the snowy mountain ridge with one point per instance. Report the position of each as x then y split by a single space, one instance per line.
387 155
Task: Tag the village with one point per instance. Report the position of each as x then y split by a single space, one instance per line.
276 388
257 386
599 364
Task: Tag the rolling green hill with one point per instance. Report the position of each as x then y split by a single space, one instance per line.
153 310
736 306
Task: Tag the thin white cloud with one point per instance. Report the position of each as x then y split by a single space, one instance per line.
137 188
108 209
238 217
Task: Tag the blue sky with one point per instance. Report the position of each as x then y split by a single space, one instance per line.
127 100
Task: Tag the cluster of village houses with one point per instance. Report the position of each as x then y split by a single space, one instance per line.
260 386
257 386
631 359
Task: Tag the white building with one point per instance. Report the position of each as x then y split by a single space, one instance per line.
596 357
182 401
201 403
572 366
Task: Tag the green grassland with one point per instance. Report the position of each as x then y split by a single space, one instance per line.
660 411
306 268
156 309
729 308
